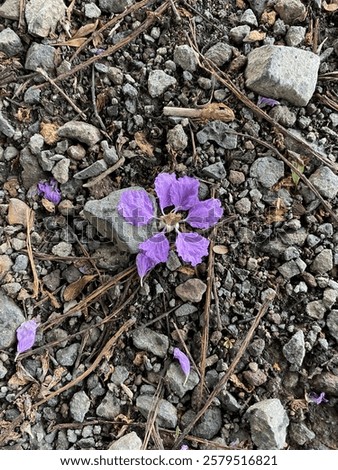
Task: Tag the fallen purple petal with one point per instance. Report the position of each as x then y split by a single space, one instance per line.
191 247
263 101
205 214
184 447
183 360
163 183
156 248
318 399
136 207
50 191
26 335
144 264
184 193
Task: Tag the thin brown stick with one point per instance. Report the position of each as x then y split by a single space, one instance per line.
108 346
115 20
96 113
315 36
222 383
22 7
151 18
66 97
107 172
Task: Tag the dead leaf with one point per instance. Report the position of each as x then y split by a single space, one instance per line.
240 4
254 36
220 249
49 206
21 377
143 144
75 288
298 404
18 212
139 358
49 132
101 100
85 30
23 115
187 270
330 7
77 42
239 384
217 111
277 213
12 186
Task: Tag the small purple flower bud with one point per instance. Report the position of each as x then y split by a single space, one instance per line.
50 191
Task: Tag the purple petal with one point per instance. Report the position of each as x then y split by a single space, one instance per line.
192 247
144 264
184 193
136 207
163 184
26 335
205 214
318 399
184 447
263 101
183 360
156 248
50 191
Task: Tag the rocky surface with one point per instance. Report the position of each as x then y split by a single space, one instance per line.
83 86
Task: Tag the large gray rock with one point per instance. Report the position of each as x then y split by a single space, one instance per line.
325 181
159 82
323 262
177 380
109 407
103 215
166 412
268 423
217 132
81 131
10 9
10 43
332 324
291 11
40 56
268 171
283 72
185 57
11 318
42 16
129 441
79 406
294 350
219 54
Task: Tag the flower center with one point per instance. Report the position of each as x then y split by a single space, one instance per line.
170 221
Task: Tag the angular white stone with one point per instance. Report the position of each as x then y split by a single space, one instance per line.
283 72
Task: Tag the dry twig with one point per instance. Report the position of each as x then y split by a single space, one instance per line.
96 113
36 282
107 172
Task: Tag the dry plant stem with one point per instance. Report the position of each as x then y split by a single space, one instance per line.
71 102
36 282
107 172
315 36
91 298
327 101
115 20
152 415
151 18
210 67
96 113
222 383
22 7
106 350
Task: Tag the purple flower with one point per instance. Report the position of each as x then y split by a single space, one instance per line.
184 447
50 191
318 399
263 101
181 195
183 360
26 335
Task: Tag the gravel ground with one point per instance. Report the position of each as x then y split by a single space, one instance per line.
98 97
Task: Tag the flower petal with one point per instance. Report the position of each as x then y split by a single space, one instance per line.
163 184
192 247
184 192
183 360
263 101
144 264
135 207
26 335
156 248
50 191
205 214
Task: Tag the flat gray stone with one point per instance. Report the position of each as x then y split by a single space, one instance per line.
67 356
316 309
216 171
166 415
258 6
40 56
294 350
177 380
92 170
103 215
10 9
325 181
267 170
10 43
291 11
300 433
129 441
208 425
109 407
6 127
283 72
177 138
216 131
151 341
249 18
292 268
268 423
295 36
185 309
42 16
11 317
159 82
79 406
323 262
219 54
81 131
185 57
